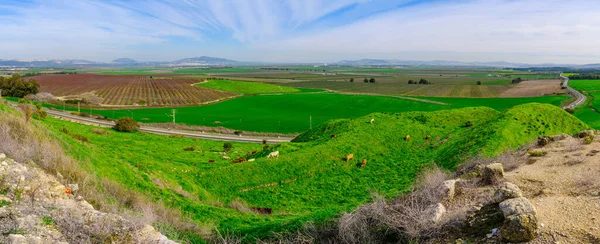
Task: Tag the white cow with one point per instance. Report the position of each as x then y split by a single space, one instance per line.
273 154
251 160
372 120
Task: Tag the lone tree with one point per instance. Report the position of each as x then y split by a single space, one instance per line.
478 82
517 80
126 125
227 146
351 79
411 82
372 80
366 80
424 81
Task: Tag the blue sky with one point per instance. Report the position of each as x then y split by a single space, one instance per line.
531 31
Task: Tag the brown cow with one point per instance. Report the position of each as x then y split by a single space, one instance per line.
349 157
364 163
332 135
407 138
211 161
427 137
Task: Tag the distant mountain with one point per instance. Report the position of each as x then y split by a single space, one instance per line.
499 64
124 61
204 60
46 63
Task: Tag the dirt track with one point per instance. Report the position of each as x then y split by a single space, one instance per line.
533 88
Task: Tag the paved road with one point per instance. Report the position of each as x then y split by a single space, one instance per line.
579 98
161 131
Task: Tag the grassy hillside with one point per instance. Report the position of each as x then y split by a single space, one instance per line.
290 113
246 87
310 180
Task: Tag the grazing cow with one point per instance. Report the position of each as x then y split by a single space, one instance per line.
273 154
265 147
407 138
349 157
364 163
251 160
235 161
242 160
211 161
372 120
427 137
332 135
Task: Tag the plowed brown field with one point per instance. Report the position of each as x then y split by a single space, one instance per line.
131 89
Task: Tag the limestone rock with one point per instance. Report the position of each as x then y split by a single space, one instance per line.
585 133
484 219
2 156
543 141
448 188
519 228
559 137
517 206
17 239
434 213
492 173
507 191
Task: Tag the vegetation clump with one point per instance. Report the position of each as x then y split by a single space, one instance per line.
16 86
227 147
126 125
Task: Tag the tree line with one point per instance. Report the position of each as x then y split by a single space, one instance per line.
585 77
16 86
421 81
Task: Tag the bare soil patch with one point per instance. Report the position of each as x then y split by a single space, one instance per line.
533 88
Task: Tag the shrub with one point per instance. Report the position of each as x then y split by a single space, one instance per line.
588 139
192 148
238 132
99 131
227 146
27 111
64 130
264 141
126 125
570 110
468 124
537 153
80 138
176 136
479 82
372 80
84 114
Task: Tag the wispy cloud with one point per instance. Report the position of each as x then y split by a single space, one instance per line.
303 30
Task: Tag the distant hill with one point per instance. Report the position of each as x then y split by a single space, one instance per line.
46 63
204 60
124 61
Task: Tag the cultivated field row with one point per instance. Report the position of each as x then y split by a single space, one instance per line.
130 90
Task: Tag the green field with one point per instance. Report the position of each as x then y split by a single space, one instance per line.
309 181
585 85
591 88
245 87
291 113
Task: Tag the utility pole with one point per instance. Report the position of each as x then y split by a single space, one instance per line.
64 105
78 107
310 118
0 93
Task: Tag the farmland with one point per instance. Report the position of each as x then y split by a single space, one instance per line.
589 112
130 89
290 113
298 185
245 87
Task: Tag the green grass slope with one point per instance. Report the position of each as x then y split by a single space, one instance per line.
246 87
309 181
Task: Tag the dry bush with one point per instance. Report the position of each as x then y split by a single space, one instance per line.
509 161
99 131
240 205
27 110
126 125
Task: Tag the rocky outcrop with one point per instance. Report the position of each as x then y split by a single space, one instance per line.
434 213
36 208
448 189
507 191
492 173
517 206
519 228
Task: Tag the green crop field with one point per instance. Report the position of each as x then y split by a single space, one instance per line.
591 88
309 181
585 85
246 87
291 113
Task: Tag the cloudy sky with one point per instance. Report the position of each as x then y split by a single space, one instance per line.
540 31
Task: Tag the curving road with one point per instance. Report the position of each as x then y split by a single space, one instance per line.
161 131
579 98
